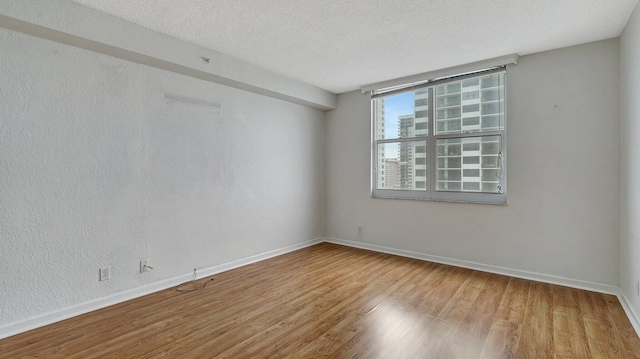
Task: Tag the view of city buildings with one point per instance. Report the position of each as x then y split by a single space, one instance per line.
473 110
378 114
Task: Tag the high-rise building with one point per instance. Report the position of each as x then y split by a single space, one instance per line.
392 173
470 163
467 106
378 113
406 128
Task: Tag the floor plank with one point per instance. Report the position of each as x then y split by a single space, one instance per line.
330 301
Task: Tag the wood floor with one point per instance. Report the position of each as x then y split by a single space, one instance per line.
329 301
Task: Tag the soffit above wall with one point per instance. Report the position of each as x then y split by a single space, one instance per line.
340 45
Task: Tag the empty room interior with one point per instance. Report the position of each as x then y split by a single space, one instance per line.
304 179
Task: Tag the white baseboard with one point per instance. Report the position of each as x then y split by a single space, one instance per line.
539 277
634 318
38 321
27 324
205 272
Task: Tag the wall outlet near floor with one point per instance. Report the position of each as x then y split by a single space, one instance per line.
360 233
105 273
144 265
638 287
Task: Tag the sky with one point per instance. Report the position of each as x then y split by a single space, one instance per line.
395 106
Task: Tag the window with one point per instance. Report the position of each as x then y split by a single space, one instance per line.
445 140
470 95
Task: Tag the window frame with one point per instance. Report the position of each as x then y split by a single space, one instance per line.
431 139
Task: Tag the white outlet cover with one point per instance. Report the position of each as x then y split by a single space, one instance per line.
105 273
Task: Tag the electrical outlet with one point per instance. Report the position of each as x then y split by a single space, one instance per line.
638 287
144 265
105 273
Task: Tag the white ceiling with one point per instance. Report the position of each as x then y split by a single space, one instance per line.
340 45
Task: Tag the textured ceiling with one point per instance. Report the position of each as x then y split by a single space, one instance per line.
340 45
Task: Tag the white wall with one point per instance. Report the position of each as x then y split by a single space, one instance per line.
68 22
97 167
563 167
630 160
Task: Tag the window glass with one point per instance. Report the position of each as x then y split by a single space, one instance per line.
470 95
474 156
458 112
470 82
402 115
401 165
443 141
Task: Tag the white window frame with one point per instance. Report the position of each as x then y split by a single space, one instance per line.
430 193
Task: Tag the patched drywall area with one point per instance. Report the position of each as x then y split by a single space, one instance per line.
106 162
561 217
630 162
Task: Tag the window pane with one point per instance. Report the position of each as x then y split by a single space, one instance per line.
458 105
422 126
471 186
489 161
471 121
402 115
471 108
490 175
468 164
448 113
402 165
449 100
470 95
490 108
464 161
491 95
490 81
449 175
471 146
470 82
453 87
451 162
470 160
421 113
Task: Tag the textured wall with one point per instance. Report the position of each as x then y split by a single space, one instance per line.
98 167
66 22
563 203
630 160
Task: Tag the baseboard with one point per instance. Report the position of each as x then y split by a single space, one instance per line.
539 277
205 272
27 324
633 316
38 321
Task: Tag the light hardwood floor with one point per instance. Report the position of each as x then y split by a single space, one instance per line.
330 301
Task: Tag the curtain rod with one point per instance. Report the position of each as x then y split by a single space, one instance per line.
442 73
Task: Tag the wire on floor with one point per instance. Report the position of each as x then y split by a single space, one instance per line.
193 279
